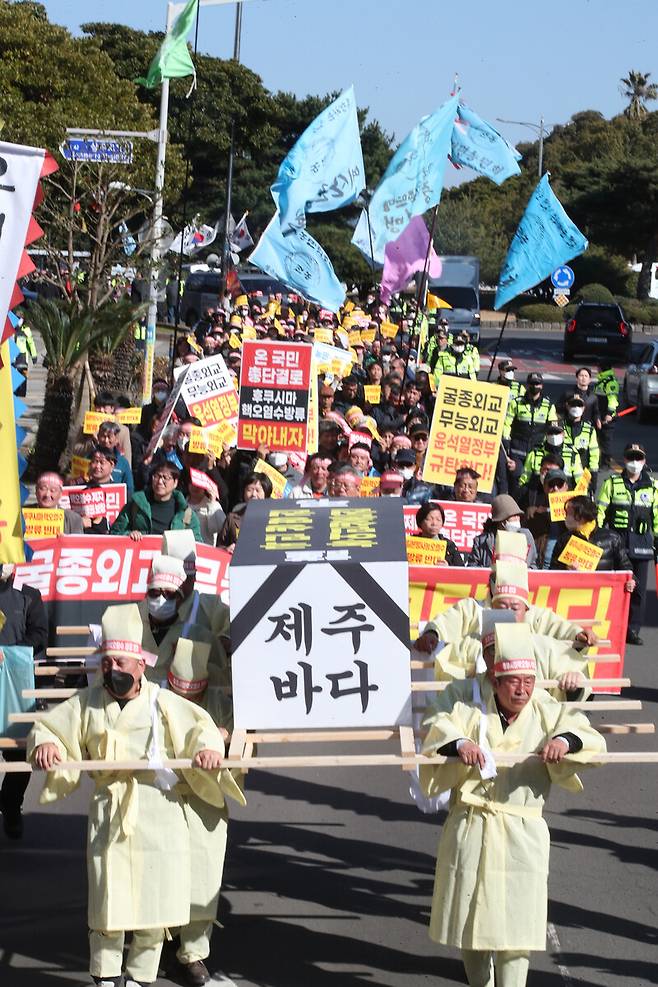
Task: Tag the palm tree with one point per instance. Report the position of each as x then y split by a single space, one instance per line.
68 335
637 89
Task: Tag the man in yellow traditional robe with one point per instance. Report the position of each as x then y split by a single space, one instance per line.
490 890
138 847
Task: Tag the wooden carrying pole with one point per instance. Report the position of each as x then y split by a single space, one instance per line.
539 684
322 760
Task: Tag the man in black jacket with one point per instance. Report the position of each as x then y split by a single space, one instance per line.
25 624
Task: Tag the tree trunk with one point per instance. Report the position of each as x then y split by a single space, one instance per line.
53 426
644 280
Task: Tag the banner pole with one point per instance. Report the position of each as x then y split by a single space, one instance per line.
500 338
423 281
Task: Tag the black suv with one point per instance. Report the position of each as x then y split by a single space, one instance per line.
599 329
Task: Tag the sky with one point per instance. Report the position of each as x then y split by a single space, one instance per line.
517 59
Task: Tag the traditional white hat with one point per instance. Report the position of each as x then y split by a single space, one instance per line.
181 545
122 631
511 546
514 651
166 573
489 620
510 579
188 672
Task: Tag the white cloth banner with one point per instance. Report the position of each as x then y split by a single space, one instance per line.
20 168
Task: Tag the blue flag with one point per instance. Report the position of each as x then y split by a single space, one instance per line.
412 183
300 263
477 145
545 238
324 170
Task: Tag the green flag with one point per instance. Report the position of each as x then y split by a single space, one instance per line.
173 59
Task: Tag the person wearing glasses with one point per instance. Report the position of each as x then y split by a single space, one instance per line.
160 507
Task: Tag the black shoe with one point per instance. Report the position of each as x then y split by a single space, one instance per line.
195 974
108 981
12 821
632 637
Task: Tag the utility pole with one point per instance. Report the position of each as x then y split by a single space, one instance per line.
541 130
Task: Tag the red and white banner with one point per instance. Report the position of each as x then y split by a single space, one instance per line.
204 482
598 596
105 501
462 521
110 568
275 381
209 392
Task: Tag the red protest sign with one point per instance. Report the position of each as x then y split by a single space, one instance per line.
275 380
463 521
105 501
202 480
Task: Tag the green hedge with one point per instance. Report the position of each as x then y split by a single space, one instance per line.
540 312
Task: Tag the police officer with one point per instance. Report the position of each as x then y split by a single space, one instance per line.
525 425
438 343
607 392
456 361
26 347
505 378
581 434
555 441
628 504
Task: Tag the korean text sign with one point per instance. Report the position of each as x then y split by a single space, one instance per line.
105 501
463 521
275 380
209 392
319 620
40 522
581 554
467 429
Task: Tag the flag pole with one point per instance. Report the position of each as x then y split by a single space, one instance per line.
186 190
498 342
423 280
229 175
366 200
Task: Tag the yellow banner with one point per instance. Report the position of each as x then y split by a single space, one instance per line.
467 429
583 484
249 332
389 330
279 482
372 393
557 503
79 466
425 551
11 534
581 554
368 335
369 486
212 440
322 335
354 337
94 420
129 416
41 522
234 341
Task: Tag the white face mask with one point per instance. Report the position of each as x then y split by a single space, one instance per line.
458 347
183 441
576 413
554 440
508 375
634 465
512 524
161 608
407 472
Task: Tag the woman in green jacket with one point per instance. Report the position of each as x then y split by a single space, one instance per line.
158 508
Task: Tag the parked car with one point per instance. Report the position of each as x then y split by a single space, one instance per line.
202 291
641 381
598 329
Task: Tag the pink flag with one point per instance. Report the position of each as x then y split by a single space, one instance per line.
406 255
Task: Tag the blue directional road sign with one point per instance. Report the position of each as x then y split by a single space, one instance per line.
563 277
99 151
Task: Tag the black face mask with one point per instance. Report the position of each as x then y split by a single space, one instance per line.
120 683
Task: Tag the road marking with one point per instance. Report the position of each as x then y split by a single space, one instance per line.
554 940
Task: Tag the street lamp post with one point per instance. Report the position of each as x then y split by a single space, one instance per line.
541 130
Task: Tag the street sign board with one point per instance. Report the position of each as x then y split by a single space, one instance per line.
561 298
98 151
563 277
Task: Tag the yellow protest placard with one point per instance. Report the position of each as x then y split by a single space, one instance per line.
234 341
369 486
354 337
322 335
129 416
249 332
79 466
425 551
581 554
373 393
557 502
42 522
467 428
343 337
368 335
389 330
94 420
279 482
583 484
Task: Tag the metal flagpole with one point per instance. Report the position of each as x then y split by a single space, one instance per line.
498 342
229 176
423 280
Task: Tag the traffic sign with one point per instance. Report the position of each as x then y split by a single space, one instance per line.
563 277
561 298
98 151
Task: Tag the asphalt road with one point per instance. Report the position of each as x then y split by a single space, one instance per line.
329 872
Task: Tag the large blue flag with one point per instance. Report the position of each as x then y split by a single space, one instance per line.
324 170
545 238
299 262
478 145
412 183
